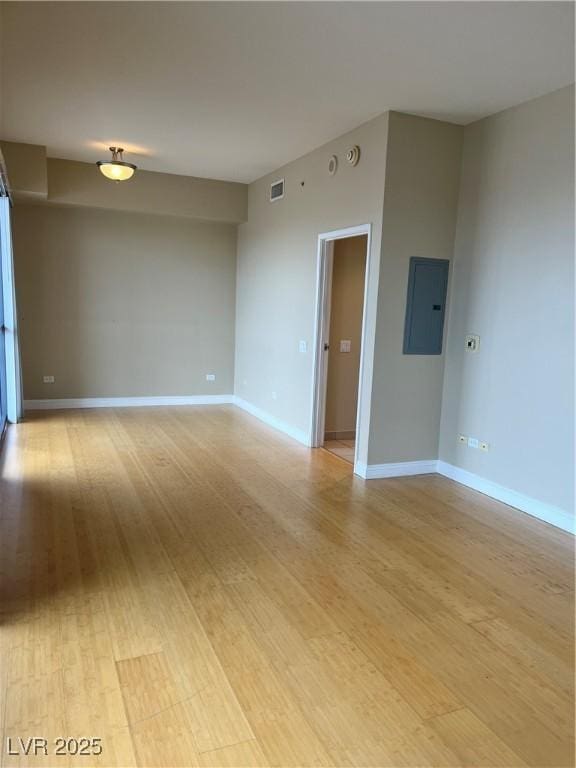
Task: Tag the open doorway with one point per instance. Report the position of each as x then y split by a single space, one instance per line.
345 340
342 282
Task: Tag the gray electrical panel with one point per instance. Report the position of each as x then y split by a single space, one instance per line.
425 306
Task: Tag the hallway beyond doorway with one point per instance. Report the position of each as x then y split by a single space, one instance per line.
342 448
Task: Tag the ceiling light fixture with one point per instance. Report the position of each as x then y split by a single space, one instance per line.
116 169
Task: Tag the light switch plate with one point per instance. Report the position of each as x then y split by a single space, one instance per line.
48 379
345 345
210 377
473 442
303 346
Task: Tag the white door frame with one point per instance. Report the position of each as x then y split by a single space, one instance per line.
322 329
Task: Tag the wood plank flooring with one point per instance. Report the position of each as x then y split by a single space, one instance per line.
342 448
195 589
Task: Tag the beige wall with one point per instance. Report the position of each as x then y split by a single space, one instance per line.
348 273
277 263
419 219
513 285
123 304
406 186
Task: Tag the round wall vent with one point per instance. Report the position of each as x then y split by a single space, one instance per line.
332 165
353 155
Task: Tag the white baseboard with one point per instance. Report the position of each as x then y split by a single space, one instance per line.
397 469
125 402
546 512
539 509
272 421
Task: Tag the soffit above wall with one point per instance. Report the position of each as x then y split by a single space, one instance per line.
34 177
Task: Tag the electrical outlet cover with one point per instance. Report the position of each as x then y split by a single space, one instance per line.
473 442
472 342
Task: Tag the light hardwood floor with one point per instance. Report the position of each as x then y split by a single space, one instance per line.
342 448
198 590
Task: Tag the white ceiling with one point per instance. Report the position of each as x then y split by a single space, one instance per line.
235 90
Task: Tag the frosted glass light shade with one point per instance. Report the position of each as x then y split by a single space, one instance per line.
116 169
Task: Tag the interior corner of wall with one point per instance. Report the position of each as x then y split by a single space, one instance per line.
26 169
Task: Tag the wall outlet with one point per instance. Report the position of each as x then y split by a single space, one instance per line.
462 439
210 377
472 342
473 442
303 346
484 446
345 345
48 379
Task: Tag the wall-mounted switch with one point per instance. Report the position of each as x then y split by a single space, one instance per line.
472 342
473 442
303 346
48 379
274 395
345 345
210 377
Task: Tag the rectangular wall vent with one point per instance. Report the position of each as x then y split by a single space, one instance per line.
276 190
